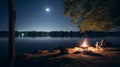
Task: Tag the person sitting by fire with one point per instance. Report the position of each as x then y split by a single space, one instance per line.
100 45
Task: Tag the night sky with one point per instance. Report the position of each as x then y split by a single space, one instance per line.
37 15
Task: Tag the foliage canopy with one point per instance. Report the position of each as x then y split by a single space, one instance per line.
93 15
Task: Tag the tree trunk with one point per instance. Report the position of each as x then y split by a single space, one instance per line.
12 20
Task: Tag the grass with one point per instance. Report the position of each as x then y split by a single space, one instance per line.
108 58
113 49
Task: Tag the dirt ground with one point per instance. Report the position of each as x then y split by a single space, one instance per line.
107 58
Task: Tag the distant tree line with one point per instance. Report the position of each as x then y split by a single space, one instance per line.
60 34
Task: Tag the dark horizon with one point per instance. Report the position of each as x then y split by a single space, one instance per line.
60 34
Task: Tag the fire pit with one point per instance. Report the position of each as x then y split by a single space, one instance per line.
84 48
81 47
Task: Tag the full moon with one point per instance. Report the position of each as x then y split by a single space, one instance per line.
47 9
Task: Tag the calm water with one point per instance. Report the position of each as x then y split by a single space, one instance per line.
28 44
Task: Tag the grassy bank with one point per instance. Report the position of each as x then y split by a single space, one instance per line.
110 57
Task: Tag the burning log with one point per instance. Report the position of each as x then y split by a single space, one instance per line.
72 50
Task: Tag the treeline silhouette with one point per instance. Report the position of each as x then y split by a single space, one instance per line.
60 34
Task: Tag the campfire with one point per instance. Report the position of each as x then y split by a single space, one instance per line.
84 45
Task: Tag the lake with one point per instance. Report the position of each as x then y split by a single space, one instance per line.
31 44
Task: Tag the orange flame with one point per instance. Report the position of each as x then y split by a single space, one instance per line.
85 41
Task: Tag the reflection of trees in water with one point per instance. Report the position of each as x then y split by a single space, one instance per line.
60 34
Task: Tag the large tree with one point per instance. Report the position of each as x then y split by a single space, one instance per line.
12 20
93 15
